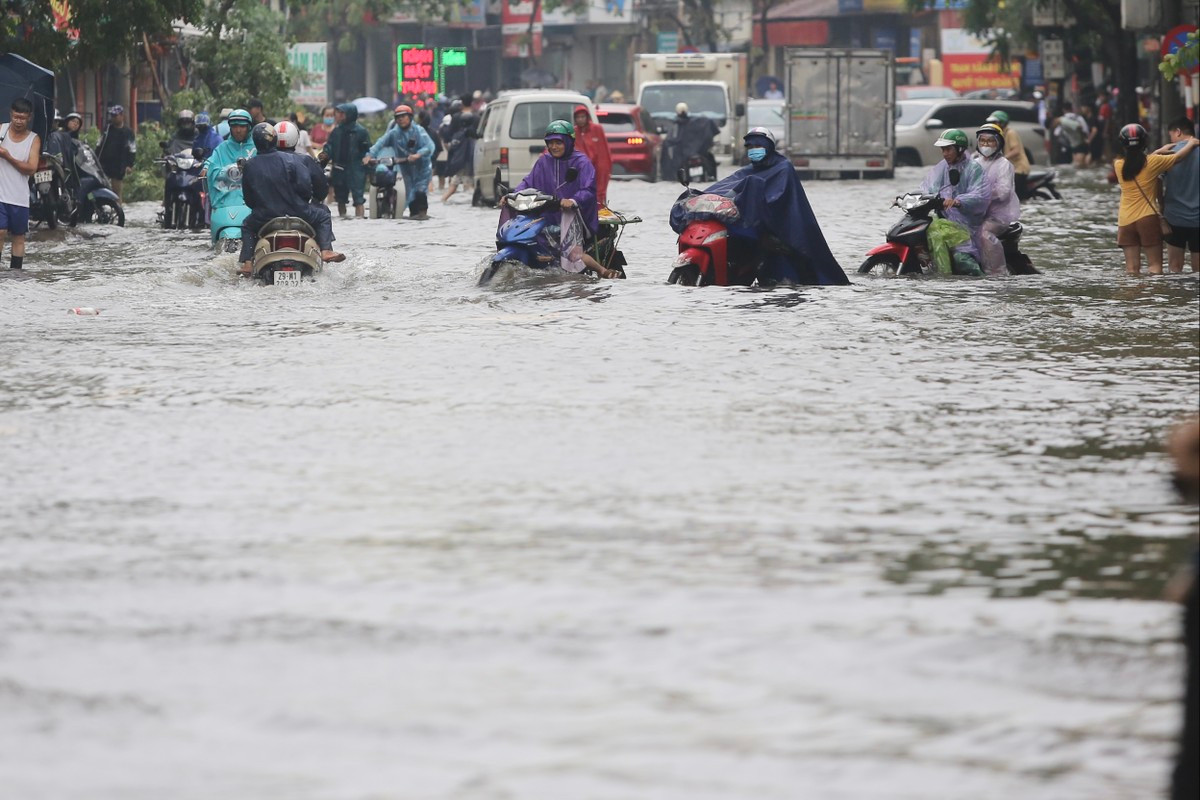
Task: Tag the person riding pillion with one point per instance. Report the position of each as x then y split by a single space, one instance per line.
348 142
414 149
1014 150
275 185
289 137
237 147
960 182
1004 208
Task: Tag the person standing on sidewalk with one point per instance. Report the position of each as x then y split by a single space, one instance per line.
590 140
20 149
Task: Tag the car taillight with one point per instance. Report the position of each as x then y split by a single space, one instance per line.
504 156
287 241
875 162
635 140
800 162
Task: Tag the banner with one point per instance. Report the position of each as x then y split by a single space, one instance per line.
968 64
314 89
514 26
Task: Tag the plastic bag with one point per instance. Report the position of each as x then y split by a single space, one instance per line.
571 241
944 235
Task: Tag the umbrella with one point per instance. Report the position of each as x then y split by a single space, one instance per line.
21 78
368 105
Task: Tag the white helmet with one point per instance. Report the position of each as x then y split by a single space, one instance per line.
289 134
681 108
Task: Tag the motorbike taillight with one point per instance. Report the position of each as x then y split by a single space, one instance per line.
43 162
290 241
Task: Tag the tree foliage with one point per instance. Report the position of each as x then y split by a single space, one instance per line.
1175 63
243 54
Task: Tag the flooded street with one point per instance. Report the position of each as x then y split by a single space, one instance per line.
390 535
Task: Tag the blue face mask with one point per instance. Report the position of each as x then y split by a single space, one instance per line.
756 154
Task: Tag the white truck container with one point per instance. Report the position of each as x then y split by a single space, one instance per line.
841 112
712 84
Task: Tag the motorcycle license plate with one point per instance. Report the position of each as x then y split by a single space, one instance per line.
696 172
287 277
43 176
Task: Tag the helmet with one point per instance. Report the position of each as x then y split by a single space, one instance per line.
761 133
187 116
560 127
115 110
203 119
264 137
73 115
402 109
992 129
953 138
999 117
239 116
681 108
1133 136
288 133
456 104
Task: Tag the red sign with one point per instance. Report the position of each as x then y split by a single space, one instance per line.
521 39
417 72
1174 41
966 72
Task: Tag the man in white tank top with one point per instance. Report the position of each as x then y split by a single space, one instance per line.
20 150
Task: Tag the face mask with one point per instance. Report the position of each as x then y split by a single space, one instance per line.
756 154
987 151
327 120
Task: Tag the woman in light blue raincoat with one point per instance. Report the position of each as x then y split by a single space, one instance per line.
226 205
414 149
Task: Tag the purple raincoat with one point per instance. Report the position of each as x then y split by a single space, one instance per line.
549 175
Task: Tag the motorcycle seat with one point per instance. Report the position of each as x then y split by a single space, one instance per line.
287 224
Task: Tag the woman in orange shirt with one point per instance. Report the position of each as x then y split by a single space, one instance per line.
1138 229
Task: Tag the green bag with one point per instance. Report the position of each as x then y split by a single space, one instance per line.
944 234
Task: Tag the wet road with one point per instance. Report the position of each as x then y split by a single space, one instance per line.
393 536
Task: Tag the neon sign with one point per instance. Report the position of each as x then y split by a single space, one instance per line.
423 69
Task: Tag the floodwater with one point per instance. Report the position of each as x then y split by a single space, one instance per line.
390 535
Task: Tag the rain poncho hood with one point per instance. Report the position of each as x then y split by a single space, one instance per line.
403 142
347 144
1004 206
549 175
772 201
220 194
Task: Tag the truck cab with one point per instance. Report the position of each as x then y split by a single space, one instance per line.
712 85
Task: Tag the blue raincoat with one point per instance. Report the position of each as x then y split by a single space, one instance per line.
549 175
403 142
973 192
772 202
228 152
209 141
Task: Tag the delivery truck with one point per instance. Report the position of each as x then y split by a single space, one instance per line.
712 84
841 112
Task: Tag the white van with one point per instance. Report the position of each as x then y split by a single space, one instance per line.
511 134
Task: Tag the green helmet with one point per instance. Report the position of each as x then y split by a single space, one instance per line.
239 116
953 137
1000 117
560 127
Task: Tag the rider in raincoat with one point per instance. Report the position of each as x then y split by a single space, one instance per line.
224 190
348 142
962 184
1004 208
414 150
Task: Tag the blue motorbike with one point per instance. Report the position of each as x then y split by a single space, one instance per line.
96 200
230 210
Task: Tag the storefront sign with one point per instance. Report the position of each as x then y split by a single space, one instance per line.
310 57
521 38
969 64
423 69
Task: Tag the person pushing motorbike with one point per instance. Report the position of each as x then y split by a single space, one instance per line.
414 150
275 185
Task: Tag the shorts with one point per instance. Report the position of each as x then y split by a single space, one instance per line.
342 190
1081 149
14 219
1184 238
1144 232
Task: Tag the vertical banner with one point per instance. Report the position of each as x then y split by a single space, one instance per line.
313 90
514 26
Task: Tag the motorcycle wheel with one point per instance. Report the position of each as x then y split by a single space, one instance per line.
109 213
881 264
688 275
489 272
1043 194
52 220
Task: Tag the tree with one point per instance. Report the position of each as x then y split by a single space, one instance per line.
243 54
1175 63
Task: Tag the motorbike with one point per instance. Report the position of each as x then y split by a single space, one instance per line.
225 221
906 250
384 182
97 201
183 206
286 253
49 200
528 238
1040 185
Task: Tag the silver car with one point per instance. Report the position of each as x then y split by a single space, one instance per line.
920 122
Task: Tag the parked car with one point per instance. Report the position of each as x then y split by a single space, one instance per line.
919 122
511 132
769 114
924 92
635 144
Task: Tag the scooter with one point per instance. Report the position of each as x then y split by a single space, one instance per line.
384 181
906 251
225 221
528 238
98 202
183 207
286 253
1040 185
49 200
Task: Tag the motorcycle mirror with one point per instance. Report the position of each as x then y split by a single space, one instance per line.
682 176
955 176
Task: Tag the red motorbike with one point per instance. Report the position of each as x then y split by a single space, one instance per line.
708 254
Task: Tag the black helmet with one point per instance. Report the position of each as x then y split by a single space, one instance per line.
1133 136
264 137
